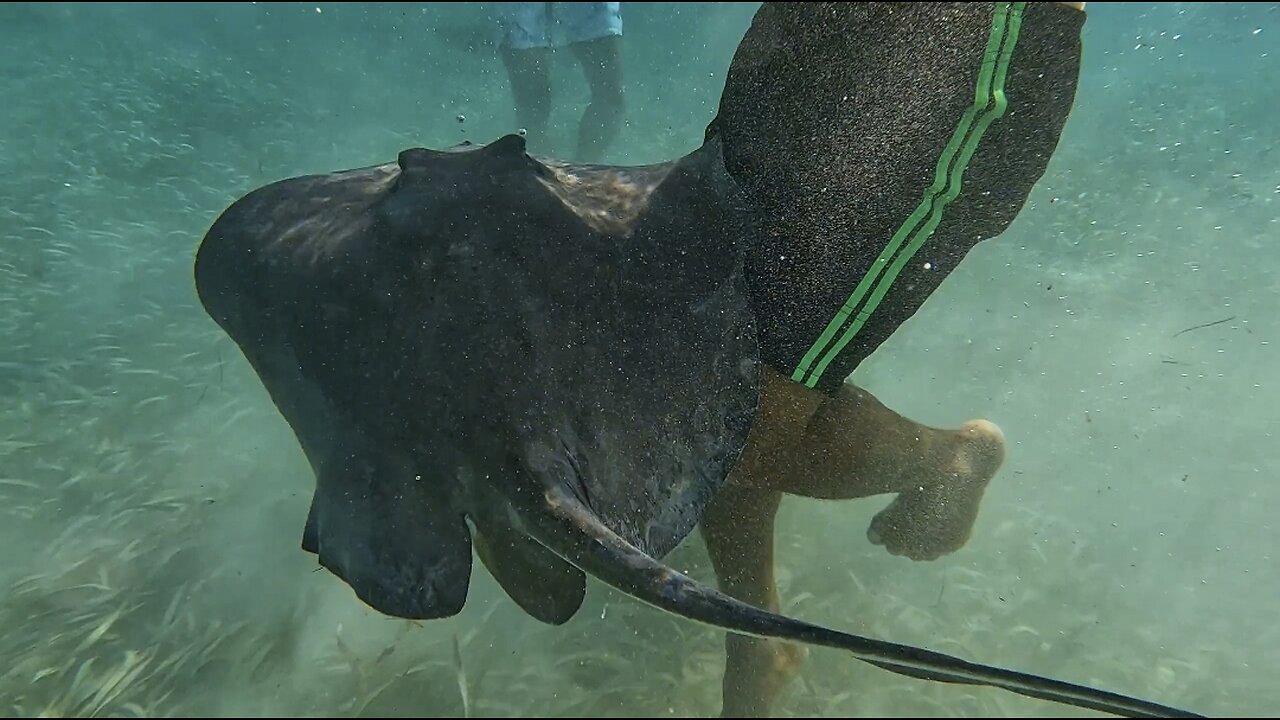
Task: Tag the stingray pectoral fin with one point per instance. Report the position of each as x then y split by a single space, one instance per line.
392 535
572 531
536 579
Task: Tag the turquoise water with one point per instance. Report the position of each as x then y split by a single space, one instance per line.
152 499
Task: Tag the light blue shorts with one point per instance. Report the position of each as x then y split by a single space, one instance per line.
525 25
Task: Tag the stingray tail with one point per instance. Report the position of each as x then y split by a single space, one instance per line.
574 532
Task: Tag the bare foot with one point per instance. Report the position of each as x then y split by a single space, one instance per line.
933 520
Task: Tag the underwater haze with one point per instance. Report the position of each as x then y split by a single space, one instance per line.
1124 333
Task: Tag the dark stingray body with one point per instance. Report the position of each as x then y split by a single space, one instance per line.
467 329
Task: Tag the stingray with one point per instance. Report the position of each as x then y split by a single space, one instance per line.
554 366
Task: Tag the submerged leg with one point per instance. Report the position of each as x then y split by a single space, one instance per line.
529 73
855 447
738 531
844 447
850 445
602 66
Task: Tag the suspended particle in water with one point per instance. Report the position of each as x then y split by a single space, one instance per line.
522 132
462 118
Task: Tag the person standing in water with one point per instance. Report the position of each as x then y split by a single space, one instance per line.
530 31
